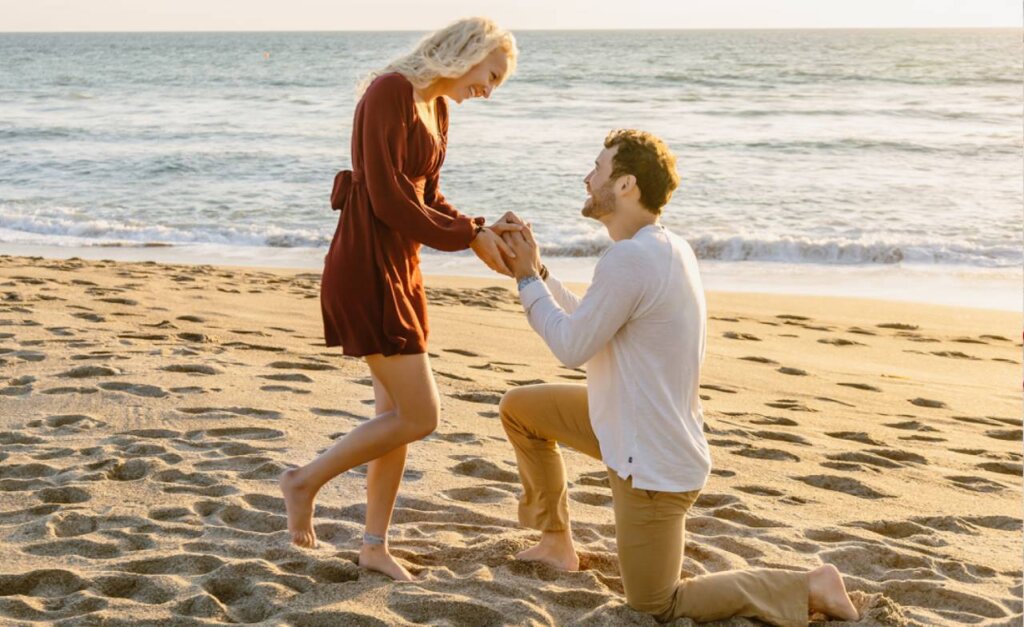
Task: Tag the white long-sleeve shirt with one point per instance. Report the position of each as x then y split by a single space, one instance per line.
640 328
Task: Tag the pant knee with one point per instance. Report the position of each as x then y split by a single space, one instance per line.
508 405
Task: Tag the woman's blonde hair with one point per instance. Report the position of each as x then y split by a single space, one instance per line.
450 53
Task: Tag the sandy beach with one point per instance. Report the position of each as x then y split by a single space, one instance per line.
146 411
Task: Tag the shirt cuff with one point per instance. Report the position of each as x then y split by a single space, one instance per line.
533 292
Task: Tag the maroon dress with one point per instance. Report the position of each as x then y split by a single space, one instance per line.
372 294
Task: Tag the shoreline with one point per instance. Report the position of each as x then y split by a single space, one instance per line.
954 286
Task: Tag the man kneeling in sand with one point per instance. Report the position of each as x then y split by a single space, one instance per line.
640 329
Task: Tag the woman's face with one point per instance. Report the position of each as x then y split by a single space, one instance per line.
481 79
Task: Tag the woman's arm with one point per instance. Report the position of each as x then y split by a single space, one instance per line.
387 116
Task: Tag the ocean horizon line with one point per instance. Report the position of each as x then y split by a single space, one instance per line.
526 30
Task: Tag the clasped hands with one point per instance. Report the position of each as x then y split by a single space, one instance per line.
508 247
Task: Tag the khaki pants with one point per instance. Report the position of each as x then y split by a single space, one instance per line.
649 525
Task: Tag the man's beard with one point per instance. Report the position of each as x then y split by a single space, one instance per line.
600 203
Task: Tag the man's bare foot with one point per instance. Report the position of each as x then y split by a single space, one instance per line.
376 557
828 594
554 549
298 500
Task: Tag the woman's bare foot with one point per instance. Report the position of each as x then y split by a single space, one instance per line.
298 500
554 549
376 557
828 594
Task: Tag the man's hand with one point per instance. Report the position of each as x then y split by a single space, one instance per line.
527 253
493 251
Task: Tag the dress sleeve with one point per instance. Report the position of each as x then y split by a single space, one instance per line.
434 199
385 129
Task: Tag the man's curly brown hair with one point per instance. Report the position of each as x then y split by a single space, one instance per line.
646 157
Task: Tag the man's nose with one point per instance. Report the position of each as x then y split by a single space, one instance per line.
487 91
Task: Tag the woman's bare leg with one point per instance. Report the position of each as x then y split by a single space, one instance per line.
383 477
410 385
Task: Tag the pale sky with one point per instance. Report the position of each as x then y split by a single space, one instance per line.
423 15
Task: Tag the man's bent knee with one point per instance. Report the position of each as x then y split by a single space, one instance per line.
510 401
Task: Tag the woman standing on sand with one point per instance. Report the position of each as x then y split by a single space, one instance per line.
372 294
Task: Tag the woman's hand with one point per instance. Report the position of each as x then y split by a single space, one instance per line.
492 250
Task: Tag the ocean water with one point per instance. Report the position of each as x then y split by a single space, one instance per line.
869 157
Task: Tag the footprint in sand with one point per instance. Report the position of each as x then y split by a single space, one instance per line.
19 386
839 341
757 490
718 388
911 425
851 460
898 326
796 372
732 335
766 453
300 365
782 437
832 400
338 413
597 478
846 485
254 347
487 398
458 438
284 388
592 498
66 495
82 372
78 547
241 518
759 360
229 412
1012 435
484 469
493 366
860 331
477 494
855 436
791 405
975 484
192 369
71 389
777 421
955 355
860 386
460 351
136 389
298 377
520 382
929 403
1003 468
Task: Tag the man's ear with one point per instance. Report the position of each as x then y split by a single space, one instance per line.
625 184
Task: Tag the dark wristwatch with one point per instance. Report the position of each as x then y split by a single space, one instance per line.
544 273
